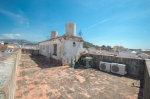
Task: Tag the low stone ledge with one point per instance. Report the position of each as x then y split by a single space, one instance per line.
146 94
8 75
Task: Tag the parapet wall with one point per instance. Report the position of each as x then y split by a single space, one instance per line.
8 75
134 67
30 51
146 94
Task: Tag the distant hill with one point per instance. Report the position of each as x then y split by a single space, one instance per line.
88 45
18 41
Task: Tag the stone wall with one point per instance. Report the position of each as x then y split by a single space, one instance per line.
30 51
134 67
146 94
8 69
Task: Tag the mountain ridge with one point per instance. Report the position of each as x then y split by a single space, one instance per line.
18 41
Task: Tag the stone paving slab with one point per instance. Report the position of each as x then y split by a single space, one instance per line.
41 78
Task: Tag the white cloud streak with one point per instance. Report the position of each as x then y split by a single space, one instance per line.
20 19
11 35
96 24
17 34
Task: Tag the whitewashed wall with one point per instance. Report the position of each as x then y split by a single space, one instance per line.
48 51
70 51
126 54
43 51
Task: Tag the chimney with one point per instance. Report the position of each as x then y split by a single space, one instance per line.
71 29
54 34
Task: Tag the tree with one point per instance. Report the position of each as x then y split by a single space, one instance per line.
103 45
109 46
80 33
5 43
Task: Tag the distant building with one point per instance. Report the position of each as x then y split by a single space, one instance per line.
144 56
64 48
1 42
92 50
107 48
14 44
119 48
133 54
6 49
30 46
136 50
127 54
146 50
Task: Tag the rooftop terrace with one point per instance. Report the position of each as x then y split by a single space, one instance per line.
42 78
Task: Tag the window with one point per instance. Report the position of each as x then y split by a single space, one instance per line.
55 49
74 44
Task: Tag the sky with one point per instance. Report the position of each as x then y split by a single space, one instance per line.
102 22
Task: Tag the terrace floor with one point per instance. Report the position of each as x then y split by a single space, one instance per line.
42 78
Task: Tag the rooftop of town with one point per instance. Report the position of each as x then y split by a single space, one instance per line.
42 78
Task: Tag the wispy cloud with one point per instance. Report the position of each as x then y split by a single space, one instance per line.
11 35
20 19
96 24
138 3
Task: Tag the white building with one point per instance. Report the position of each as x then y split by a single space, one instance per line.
93 50
15 45
63 48
127 54
6 49
1 42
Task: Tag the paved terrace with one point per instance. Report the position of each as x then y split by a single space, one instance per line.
41 78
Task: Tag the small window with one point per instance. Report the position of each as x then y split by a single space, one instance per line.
55 49
74 44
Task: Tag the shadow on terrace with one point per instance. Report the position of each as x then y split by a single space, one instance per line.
44 62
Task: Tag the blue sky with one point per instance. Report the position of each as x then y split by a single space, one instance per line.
102 22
